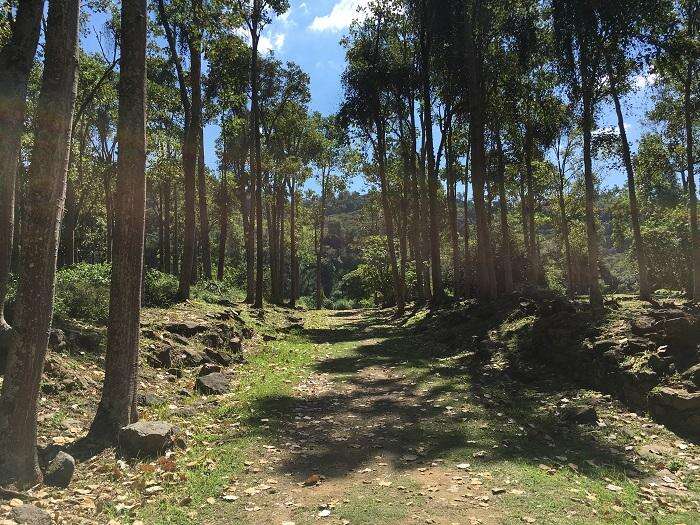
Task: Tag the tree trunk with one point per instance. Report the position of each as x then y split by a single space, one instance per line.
223 228
319 250
203 209
117 407
176 233
467 269
452 215
388 219
640 252
256 161
167 226
46 193
596 297
694 292
533 262
293 261
249 220
565 233
505 229
16 60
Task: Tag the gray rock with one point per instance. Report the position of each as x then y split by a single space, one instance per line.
191 357
677 408
146 438
213 384
692 375
217 357
187 328
31 515
148 400
585 415
208 368
235 345
59 471
57 339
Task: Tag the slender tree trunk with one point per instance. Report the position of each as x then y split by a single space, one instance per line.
533 266
452 215
388 219
694 292
256 159
640 252
176 232
565 233
117 407
223 228
249 220
46 193
596 297
467 269
319 249
281 249
293 260
167 226
422 289
16 60
161 227
203 209
505 229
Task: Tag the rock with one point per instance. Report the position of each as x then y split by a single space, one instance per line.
57 339
247 332
677 408
146 438
90 341
643 325
148 400
187 328
682 331
212 340
161 357
191 357
269 337
692 375
217 357
213 384
235 345
30 515
59 471
208 368
585 415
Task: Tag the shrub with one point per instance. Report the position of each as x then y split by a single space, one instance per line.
160 289
82 292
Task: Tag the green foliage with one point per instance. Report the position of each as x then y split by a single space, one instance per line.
82 292
160 289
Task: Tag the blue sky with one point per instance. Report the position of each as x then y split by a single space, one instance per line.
309 34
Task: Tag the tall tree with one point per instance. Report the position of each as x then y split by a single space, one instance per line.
46 192
16 60
117 407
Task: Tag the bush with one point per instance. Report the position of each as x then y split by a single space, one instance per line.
82 292
160 289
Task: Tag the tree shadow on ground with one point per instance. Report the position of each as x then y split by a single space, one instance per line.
390 405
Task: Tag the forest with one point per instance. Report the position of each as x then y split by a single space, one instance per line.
237 277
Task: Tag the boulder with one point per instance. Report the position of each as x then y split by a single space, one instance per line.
213 384
692 376
584 415
146 438
217 357
191 357
89 340
148 400
683 331
235 345
212 340
677 408
161 357
59 470
30 515
187 328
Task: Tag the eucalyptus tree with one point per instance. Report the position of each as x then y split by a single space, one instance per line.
367 108
580 41
677 61
117 406
16 61
257 14
39 238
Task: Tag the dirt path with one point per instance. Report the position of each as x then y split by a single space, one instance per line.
373 437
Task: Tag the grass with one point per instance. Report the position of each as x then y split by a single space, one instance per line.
553 472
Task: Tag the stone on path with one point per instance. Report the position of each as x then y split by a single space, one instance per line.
146 438
30 515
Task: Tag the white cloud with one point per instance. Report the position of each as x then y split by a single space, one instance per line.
285 19
341 16
271 43
610 130
304 7
645 80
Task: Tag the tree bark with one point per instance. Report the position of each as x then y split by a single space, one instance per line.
505 229
256 156
16 60
596 297
293 259
319 250
694 292
565 230
46 193
640 251
223 227
117 407
167 226
203 208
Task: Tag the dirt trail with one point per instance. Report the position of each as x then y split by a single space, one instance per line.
373 438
